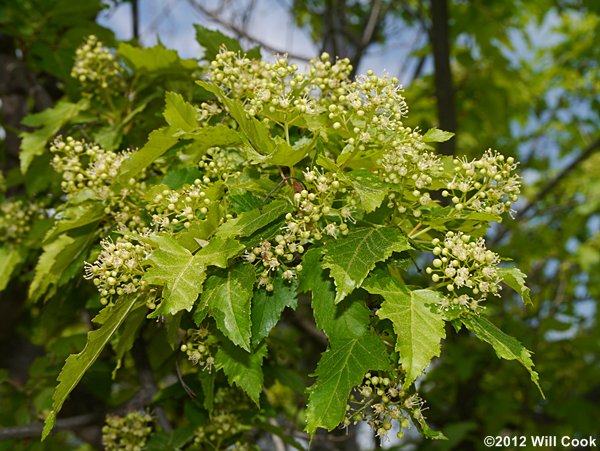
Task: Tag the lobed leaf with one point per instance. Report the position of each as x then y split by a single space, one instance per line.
51 121
181 273
159 141
348 319
226 297
340 368
178 113
370 188
242 368
419 329
268 306
250 221
352 257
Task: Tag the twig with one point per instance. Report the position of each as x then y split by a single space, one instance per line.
35 429
243 33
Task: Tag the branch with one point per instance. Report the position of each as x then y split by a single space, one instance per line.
552 183
35 429
212 15
444 87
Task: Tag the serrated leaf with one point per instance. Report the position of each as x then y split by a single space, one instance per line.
226 297
58 255
250 221
77 364
370 188
506 347
156 59
218 251
352 257
212 40
435 135
181 273
242 368
418 328
178 113
9 259
206 137
126 339
267 307
341 368
51 121
158 143
178 271
348 319
75 216
265 149
514 278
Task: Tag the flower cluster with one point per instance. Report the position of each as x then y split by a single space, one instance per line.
95 67
118 269
223 425
226 426
466 269
16 218
128 433
220 164
177 209
318 211
199 347
487 185
85 166
380 400
278 87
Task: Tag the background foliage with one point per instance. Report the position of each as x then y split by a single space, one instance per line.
535 100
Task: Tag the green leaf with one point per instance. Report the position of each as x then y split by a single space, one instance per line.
154 60
56 258
370 188
352 257
178 113
159 142
128 335
75 216
506 347
181 273
206 137
418 328
514 278
226 297
242 368
435 135
341 368
347 319
77 364
218 251
267 307
249 222
51 121
9 259
212 40
264 149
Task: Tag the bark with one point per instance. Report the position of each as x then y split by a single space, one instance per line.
444 86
